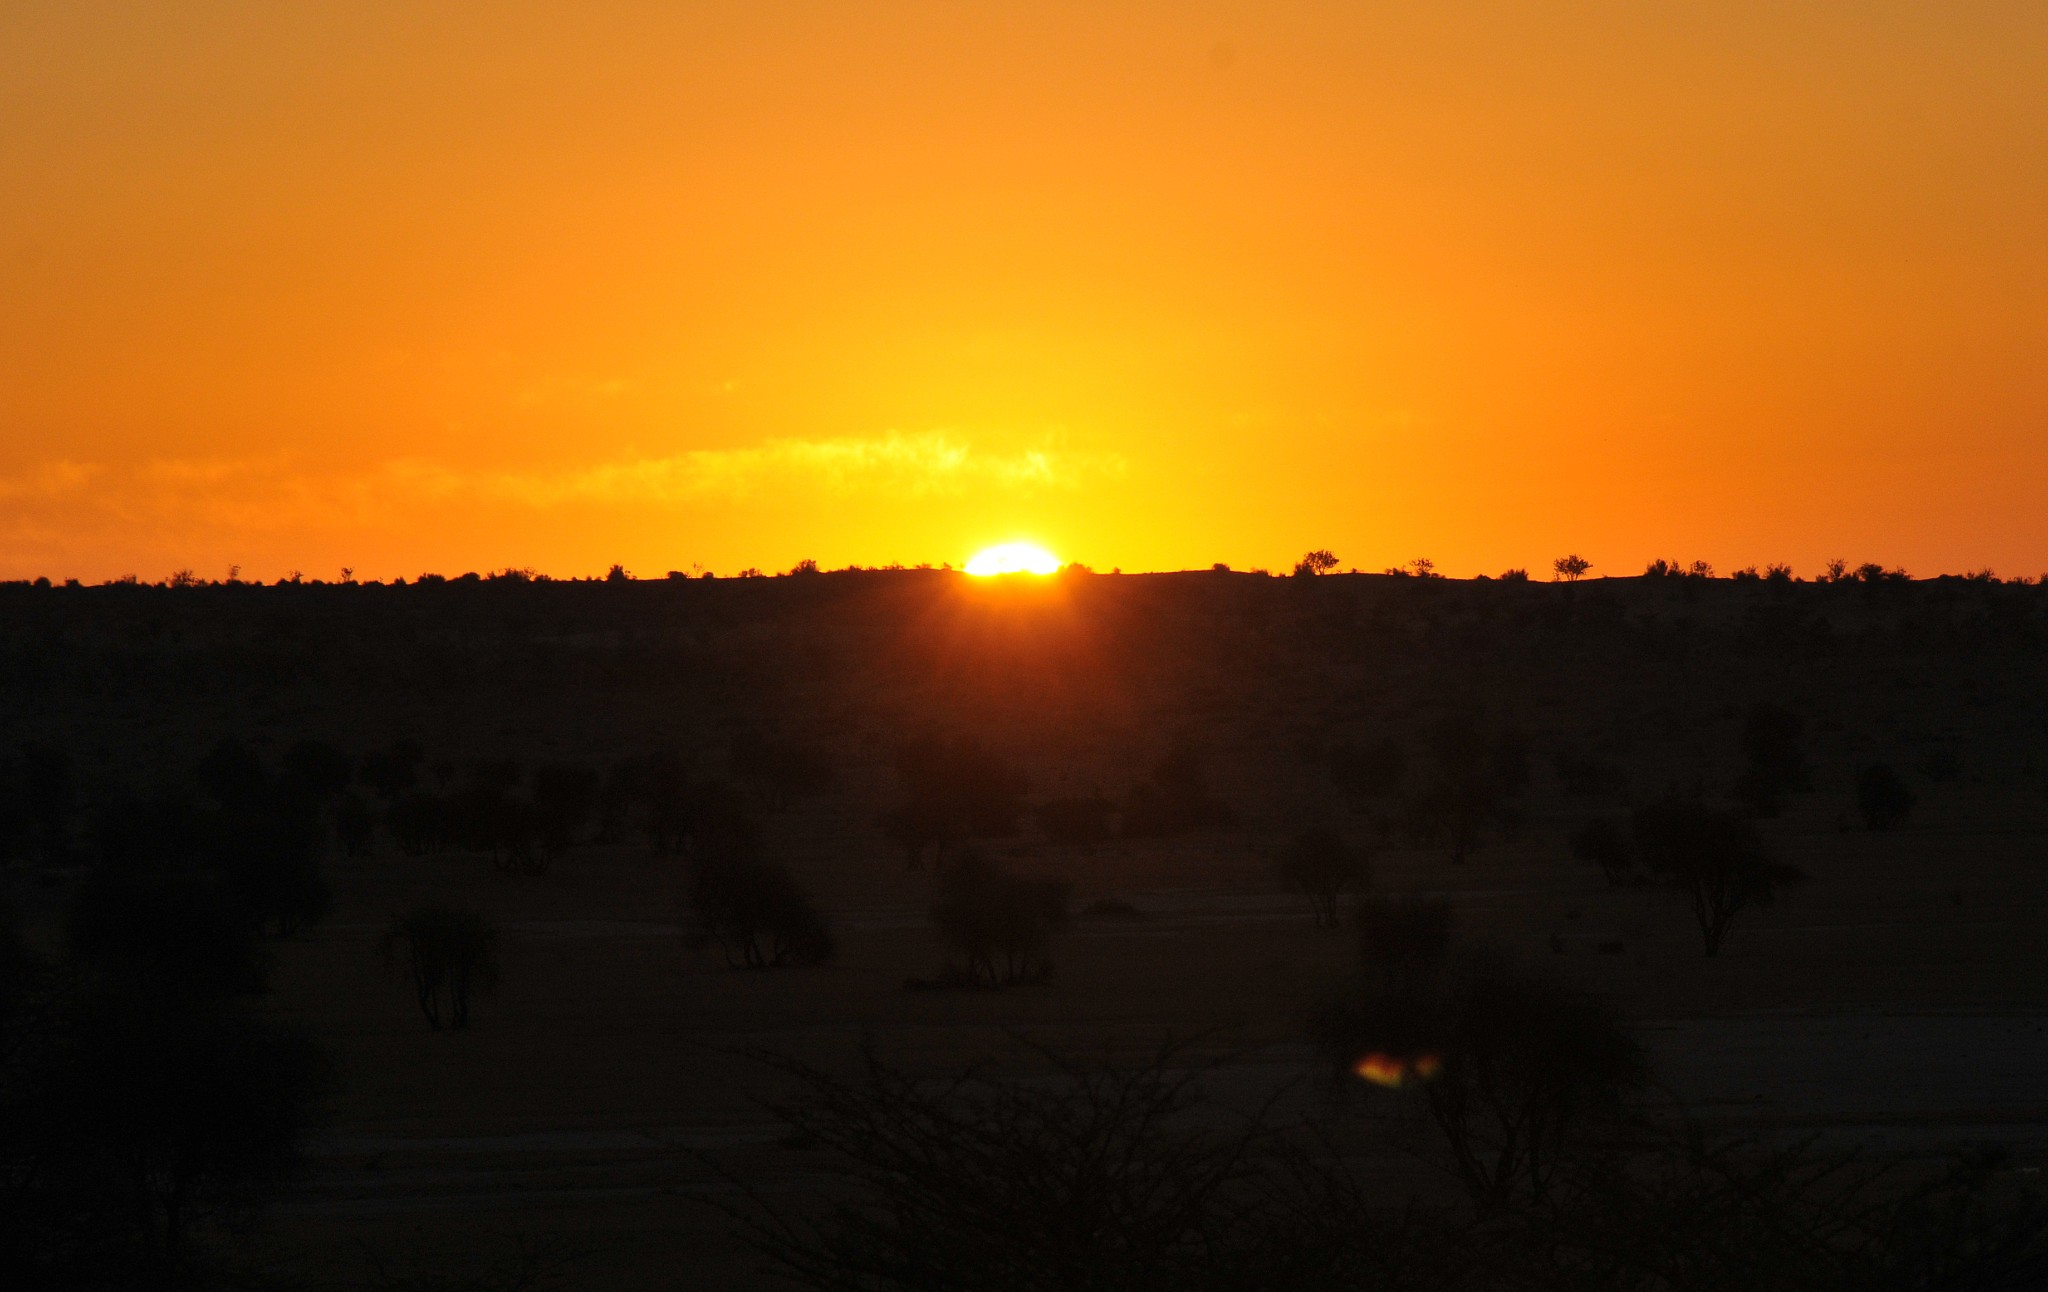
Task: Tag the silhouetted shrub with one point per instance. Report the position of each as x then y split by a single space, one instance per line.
448 955
1571 568
1322 867
1715 858
1096 1175
1775 758
1882 797
998 923
756 913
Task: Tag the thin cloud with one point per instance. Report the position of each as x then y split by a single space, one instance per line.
892 465
270 493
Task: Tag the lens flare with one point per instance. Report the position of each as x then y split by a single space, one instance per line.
1013 558
1394 1070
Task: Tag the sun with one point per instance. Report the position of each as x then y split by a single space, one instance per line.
1013 558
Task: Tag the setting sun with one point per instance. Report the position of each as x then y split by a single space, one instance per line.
1013 558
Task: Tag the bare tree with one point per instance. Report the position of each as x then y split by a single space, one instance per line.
1715 858
448 955
1322 867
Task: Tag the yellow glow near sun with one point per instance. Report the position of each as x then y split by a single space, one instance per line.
1013 558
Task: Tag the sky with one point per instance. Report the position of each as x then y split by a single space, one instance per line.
407 287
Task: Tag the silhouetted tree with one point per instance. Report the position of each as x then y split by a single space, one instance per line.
955 790
1775 758
163 1111
1713 857
418 823
1175 799
756 913
1882 797
391 772
564 799
1571 568
1513 1071
355 824
1319 561
1322 867
1471 780
48 792
1603 842
998 923
448 955
314 772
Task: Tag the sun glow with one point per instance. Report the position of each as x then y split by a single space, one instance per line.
1013 558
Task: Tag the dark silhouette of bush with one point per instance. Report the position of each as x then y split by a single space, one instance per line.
315 772
1323 868
1571 568
1605 843
954 790
159 1113
1372 771
448 955
1080 823
418 823
391 772
999 924
1402 941
1175 799
1583 776
1883 798
1513 1071
183 929
1774 756
756 913
1713 857
1092 1173
563 801
48 795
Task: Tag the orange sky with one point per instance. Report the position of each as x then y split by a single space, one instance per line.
445 286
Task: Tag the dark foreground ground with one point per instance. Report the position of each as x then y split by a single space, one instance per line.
1898 1000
